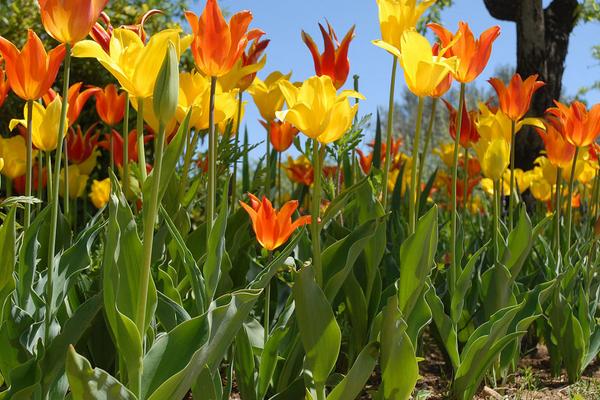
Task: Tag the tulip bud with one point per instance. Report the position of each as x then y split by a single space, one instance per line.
166 89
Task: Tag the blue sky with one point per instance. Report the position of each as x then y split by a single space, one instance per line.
283 21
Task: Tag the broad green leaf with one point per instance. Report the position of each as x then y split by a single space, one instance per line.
319 331
445 327
463 284
244 366
8 249
264 277
268 361
216 249
341 200
353 383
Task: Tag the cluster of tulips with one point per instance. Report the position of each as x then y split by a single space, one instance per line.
156 295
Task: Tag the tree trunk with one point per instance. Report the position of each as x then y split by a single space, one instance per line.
542 45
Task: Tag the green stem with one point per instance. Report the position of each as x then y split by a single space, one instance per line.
140 140
496 221
190 150
415 186
237 145
111 139
40 188
268 164
50 192
453 261
66 185
267 312
29 163
126 146
570 199
428 136
389 133
557 209
54 200
512 177
279 198
212 160
315 206
465 179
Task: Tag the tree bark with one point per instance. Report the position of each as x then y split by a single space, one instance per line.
542 45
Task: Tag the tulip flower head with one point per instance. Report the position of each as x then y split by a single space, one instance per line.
299 170
365 161
281 134
423 71
31 71
110 105
515 98
76 97
494 156
473 54
102 35
558 150
216 45
44 123
244 71
468 128
119 143
334 61
77 182
81 146
267 94
100 192
273 228
580 127
317 110
13 151
397 17
70 21
4 87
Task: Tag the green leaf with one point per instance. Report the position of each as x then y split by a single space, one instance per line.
377 144
445 326
216 249
353 383
244 366
264 277
341 200
8 249
463 284
92 384
319 331
268 361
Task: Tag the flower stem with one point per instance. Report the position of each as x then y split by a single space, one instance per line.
415 186
66 184
389 133
570 199
126 146
140 140
428 135
29 166
496 221
453 260
237 145
190 149
557 209
54 200
268 164
212 160
315 205
267 312
512 178
465 179
111 139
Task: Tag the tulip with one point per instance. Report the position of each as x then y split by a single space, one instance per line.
43 124
31 71
515 98
103 35
397 17
4 87
317 110
76 98
77 182
100 192
273 228
267 94
244 71
473 54
558 150
110 105
70 21
468 129
20 183
13 151
217 46
151 119
365 161
80 146
281 134
334 60
299 170
446 153
494 157
580 127
119 146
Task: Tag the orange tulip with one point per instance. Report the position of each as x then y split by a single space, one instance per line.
80 146
273 228
473 54
580 126
257 48
70 21
31 71
468 128
281 134
594 152
446 83
515 98
102 35
76 97
110 105
558 150
299 170
4 87
217 46
365 161
119 144
334 60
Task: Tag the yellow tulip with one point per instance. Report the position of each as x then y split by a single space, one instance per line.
397 17
77 182
494 157
488 186
587 173
88 165
540 188
1 163
317 110
234 79
446 153
423 71
194 92
13 152
522 178
100 192
150 118
44 124
492 125
267 94
134 64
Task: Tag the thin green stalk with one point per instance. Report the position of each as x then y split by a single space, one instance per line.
389 133
149 221
557 207
66 183
279 198
512 177
453 261
496 221
190 150
268 164
212 160
140 140
465 179
29 163
111 139
54 215
40 188
126 146
237 145
49 185
595 192
415 186
428 136
267 312
315 208
570 199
